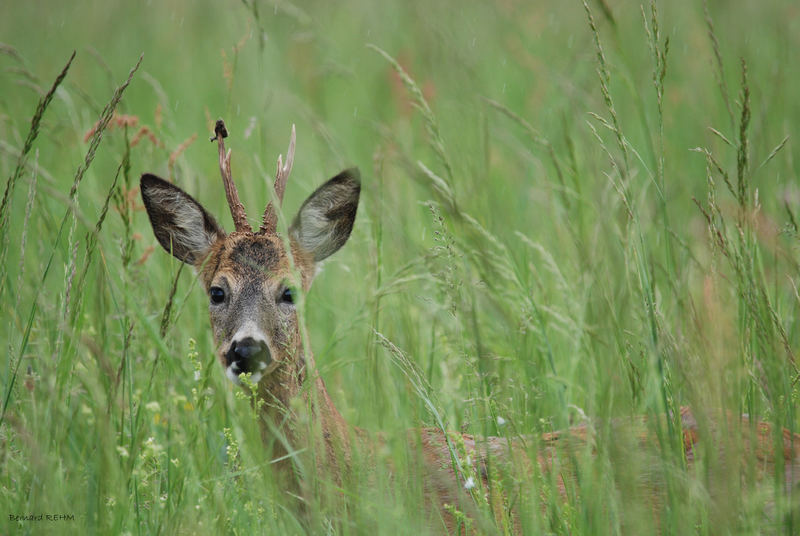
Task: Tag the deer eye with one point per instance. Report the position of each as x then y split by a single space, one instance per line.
217 294
287 296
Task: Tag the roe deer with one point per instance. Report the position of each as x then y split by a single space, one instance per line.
250 281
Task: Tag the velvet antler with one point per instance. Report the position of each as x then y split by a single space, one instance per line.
270 222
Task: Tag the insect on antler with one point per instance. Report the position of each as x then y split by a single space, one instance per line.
270 222
237 209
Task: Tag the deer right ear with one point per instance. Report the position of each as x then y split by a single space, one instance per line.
325 219
181 225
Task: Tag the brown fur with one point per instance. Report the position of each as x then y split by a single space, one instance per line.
254 269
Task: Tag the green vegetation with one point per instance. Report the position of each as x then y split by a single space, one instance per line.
567 213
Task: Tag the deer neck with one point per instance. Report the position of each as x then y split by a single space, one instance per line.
297 406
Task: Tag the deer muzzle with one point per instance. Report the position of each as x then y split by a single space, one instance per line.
247 355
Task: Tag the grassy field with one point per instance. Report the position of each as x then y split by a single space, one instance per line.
569 214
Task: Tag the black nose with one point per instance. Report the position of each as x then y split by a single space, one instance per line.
248 355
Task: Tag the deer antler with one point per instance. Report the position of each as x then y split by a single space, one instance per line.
237 209
270 221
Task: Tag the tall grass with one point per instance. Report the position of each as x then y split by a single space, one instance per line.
572 214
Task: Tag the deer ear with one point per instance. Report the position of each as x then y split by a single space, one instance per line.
181 225
324 222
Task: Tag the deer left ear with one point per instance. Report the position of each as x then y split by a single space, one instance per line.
182 226
324 222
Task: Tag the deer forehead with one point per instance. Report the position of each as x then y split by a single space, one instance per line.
249 258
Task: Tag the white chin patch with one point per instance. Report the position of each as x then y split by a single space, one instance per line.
255 378
233 376
233 372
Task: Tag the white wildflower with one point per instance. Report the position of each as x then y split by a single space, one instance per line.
469 484
151 448
500 421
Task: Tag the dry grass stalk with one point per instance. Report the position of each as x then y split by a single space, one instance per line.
36 121
173 156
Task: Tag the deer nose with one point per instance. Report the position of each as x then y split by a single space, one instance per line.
248 355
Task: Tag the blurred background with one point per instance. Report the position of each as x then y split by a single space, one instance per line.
569 211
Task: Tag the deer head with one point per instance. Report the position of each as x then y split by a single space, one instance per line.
248 275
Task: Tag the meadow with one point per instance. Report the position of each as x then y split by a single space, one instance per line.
570 214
